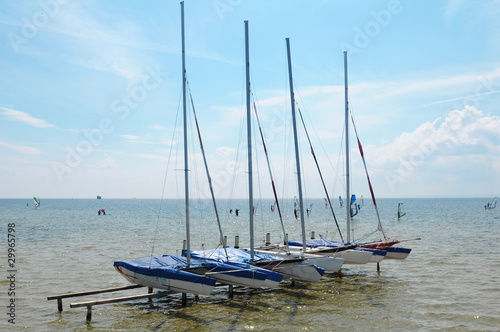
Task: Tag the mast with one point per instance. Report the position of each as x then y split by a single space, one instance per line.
347 181
249 140
186 165
297 161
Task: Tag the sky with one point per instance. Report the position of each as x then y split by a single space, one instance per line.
90 96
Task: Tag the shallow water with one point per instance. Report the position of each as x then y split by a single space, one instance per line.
448 283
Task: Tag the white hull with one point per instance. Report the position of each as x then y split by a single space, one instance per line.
350 256
173 285
329 264
376 258
298 271
270 283
228 279
396 255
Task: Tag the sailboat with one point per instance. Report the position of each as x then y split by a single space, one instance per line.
387 244
491 205
289 265
339 250
184 274
37 202
329 264
379 250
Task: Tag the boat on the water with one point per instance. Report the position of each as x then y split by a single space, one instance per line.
173 272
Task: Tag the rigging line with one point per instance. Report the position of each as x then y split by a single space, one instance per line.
335 170
165 176
271 176
209 178
321 175
368 178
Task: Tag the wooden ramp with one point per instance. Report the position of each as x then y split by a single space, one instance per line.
89 304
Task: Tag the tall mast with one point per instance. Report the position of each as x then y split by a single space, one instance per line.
297 161
186 165
347 181
249 140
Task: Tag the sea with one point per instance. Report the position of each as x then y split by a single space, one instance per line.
449 282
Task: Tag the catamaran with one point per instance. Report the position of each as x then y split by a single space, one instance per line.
184 274
377 250
291 266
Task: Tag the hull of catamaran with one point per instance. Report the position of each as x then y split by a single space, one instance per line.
303 271
272 279
245 276
154 273
397 252
335 249
329 264
295 269
378 255
350 256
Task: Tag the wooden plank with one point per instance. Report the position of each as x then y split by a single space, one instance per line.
117 299
99 291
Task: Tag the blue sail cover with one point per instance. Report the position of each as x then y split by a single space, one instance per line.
238 258
169 266
314 243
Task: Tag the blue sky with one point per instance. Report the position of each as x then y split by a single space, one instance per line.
89 95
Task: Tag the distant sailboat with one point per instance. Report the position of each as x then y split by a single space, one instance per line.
492 205
37 202
401 211
354 206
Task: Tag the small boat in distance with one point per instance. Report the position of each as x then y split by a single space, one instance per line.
98 197
492 205
37 202
401 211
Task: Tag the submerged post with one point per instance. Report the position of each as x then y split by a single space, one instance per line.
89 313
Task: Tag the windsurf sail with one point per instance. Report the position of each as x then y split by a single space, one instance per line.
354 206
492 205
401 211
341 202
37 202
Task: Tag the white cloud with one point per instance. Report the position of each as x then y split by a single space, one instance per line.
149 156
25 118
131 138
21 148
225 151
455 135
